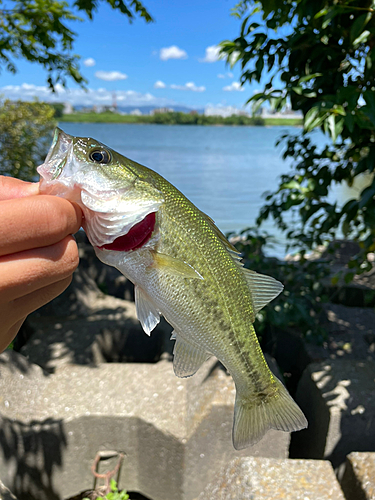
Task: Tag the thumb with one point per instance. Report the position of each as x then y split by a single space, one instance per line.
14 188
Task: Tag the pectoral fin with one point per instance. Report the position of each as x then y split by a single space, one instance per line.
147 313
174 266
188 357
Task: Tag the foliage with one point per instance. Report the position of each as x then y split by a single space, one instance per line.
319 57
38 31
59 109
25 136
300 307
114 494
169 118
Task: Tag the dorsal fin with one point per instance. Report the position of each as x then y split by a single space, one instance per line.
263 288
220 235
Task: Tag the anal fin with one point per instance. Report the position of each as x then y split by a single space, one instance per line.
187 357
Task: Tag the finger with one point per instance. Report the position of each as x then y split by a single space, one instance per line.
14 188
7 337
36 221
28 271
27 304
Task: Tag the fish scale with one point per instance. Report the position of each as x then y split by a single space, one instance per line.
182 268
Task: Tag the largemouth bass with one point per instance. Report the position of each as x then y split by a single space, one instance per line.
182 267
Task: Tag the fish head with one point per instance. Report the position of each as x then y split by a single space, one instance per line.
112 193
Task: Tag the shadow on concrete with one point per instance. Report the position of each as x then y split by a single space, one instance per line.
340 409
30 453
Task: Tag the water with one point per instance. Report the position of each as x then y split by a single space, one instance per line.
223 170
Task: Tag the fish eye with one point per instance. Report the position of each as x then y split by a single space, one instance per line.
100 156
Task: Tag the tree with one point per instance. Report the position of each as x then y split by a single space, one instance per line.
25 135
318 57
37 30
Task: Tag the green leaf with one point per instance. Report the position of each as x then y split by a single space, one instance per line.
362 38
307 78
348 278
358 26
366 195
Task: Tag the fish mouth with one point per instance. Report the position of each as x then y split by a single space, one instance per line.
57 157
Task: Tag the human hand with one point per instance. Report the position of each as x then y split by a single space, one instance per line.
37 252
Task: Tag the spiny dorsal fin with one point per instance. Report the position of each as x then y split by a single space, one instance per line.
263 288
219 234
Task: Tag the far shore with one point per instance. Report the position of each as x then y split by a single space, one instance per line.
177 118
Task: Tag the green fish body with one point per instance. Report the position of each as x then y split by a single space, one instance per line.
182 267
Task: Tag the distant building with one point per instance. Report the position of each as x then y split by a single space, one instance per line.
68 108
287 112
157 111
136 112
224 111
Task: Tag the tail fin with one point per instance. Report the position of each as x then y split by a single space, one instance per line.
253 418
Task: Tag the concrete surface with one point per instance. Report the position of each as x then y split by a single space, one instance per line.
338 399
5 494
358 481
176 433
256 478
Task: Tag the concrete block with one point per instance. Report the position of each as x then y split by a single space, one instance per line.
5 493
258 478
338 399
86 326
175 433
358 481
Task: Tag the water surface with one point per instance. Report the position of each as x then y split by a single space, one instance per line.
223 170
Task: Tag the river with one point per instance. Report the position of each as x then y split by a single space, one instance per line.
224 170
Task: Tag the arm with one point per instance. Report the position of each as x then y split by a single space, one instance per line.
37 252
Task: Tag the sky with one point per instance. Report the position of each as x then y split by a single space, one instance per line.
172 61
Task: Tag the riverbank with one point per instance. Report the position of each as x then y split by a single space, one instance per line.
177 118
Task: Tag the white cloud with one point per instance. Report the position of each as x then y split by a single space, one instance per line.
172 52
101 96
159 85
110 76
212 54
235 86
89 62
229 75
188 86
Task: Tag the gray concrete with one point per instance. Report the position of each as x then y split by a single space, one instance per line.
267 478
85 326
5 493
176 433
358 482
337 397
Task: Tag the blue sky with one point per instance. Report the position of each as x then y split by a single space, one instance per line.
162 63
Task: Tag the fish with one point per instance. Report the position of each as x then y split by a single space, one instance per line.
182 268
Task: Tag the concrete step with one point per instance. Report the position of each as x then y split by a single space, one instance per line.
358 481
259 478
175 433
338 399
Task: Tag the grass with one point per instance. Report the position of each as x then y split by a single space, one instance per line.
182 119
